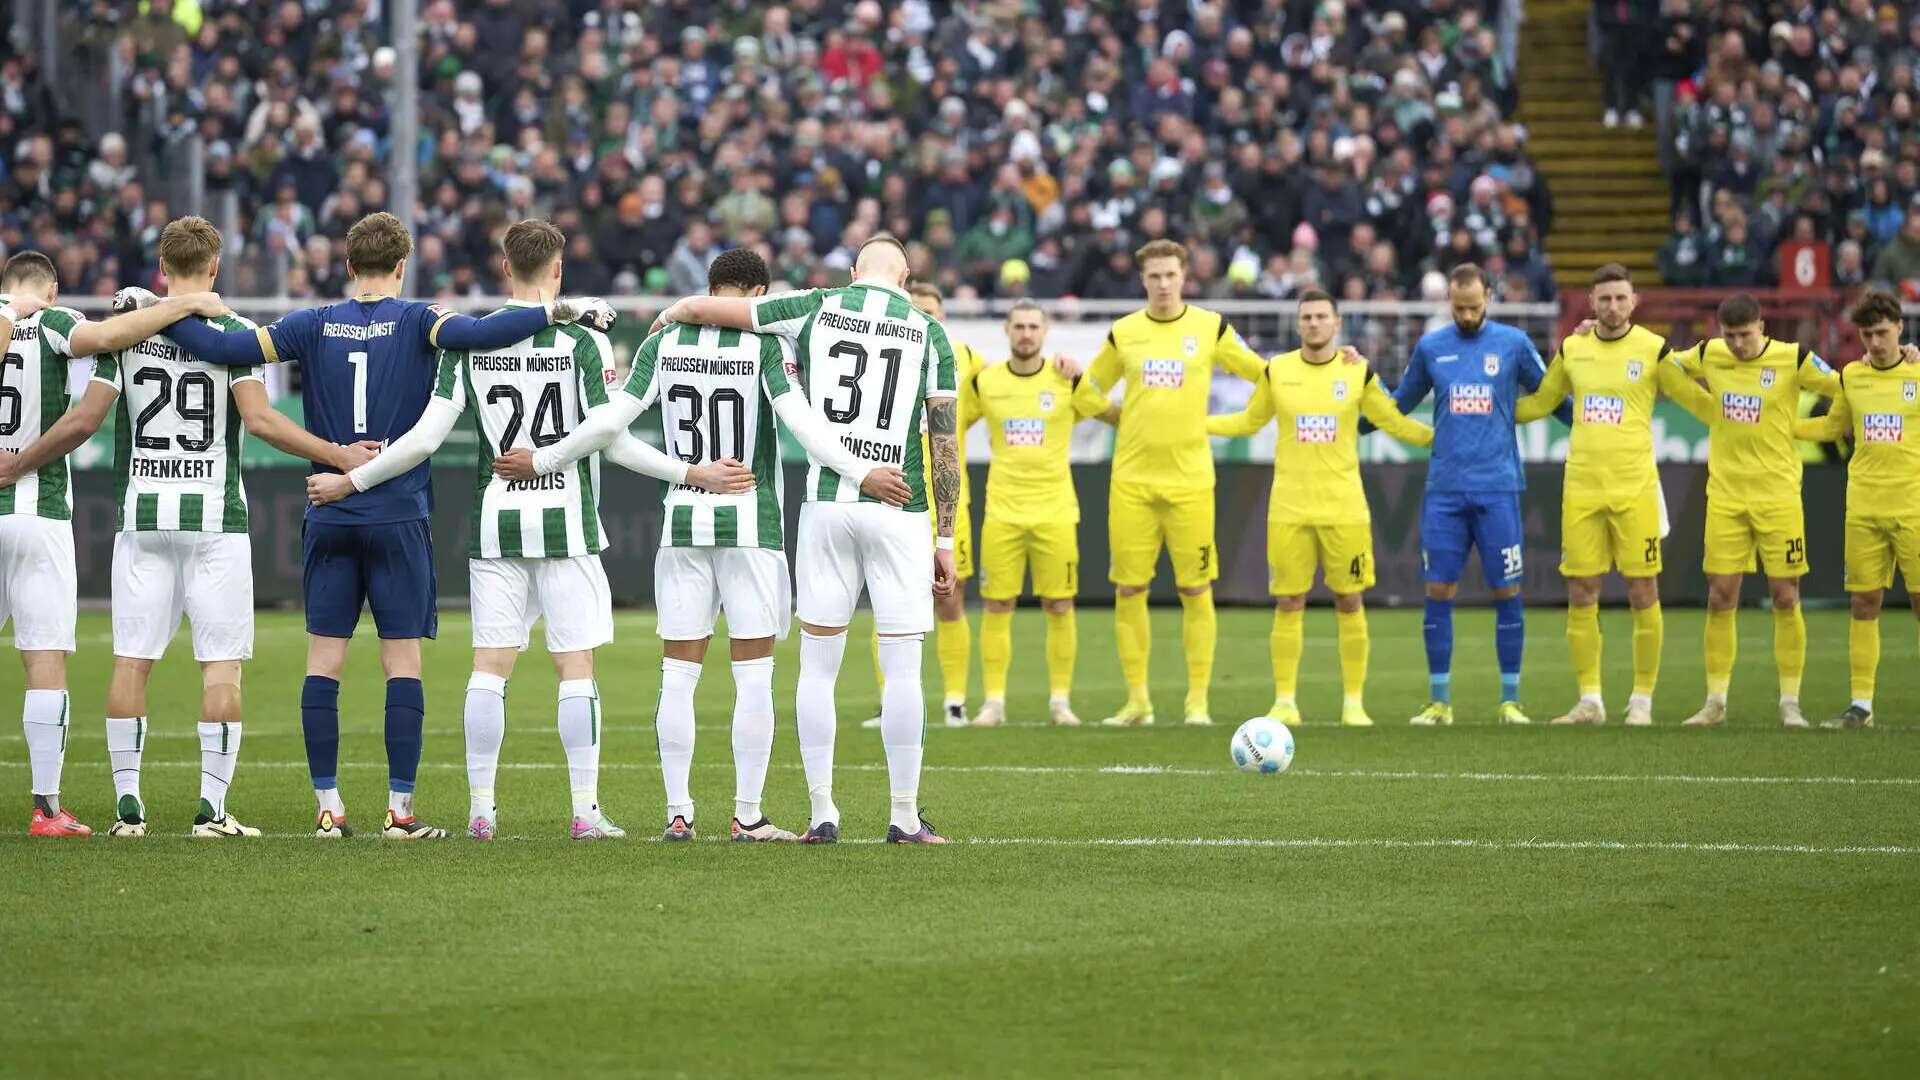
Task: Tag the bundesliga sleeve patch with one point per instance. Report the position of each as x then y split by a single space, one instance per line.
1163 374
1315 429
1026 432
1740 408
1470 399
1606 409
1881 427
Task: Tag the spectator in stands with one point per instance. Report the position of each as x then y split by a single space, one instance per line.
1898 263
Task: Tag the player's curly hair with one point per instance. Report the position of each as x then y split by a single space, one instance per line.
740 267
1874 307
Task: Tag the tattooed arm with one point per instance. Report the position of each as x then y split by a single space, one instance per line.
943 436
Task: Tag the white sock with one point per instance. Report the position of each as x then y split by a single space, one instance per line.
903 725
1716 699
400 803
1789 699
580 737
486 730
673 726
1595 698
219 753
126 738
328 799
815 718
752 734
1865 704
44 717
1640 699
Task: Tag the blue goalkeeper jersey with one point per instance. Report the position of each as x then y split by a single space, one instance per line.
1475 379
367 368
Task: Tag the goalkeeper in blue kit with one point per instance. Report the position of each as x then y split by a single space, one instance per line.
1476 371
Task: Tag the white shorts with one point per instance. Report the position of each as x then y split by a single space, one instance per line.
160 576
509 595
845 545
692 585
39 589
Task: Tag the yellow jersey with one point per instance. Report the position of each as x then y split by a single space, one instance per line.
1316 461
966 364
1168 365
1880 408
1614 385
1752 455
1030 422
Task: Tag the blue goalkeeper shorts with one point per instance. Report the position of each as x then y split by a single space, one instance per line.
1452 522
387 567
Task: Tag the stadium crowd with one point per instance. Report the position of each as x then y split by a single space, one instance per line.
1780 121
1028 148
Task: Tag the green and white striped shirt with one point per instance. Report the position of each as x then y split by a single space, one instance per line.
34 392
530 395
869 360
176 436
716 388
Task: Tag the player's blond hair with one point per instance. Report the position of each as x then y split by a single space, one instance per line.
188 246
1160 249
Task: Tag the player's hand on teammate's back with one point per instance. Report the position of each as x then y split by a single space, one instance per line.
1910 353
207 305
1584 327
353 455
944 576
724 477
588 311
323 488
23 304
8 462
888 485
514 465
1352 355
1068 367
133 298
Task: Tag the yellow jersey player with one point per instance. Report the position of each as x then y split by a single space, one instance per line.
1033 515
1162 490
1753 492
1610 511
1879 407
953 637
1317 515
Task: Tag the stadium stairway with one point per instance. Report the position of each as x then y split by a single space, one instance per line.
1609 197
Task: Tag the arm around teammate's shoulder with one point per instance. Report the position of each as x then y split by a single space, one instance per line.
1255 416
74 427
1378 406
276 429
1549 397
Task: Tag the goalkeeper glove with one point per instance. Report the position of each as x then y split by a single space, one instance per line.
133 298
589 311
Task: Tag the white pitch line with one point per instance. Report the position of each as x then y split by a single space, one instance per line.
1162 770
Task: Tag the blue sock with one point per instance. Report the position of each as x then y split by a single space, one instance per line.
320 723
1438 627
1509 641
406 715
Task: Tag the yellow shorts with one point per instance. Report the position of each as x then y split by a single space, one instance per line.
962 540
1006 551
1875 546
1142 518
1598 535
1776 532
1343 552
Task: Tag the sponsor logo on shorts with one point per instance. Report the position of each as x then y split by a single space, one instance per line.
1163 374
1881 427
1315 429
1634 368
1470 399
1026 432
1602 409
1490 363
1740 408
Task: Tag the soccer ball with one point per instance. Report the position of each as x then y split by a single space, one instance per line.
1262 746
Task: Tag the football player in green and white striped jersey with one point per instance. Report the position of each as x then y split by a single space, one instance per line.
182 546
875 365
718 391
38 585
536 544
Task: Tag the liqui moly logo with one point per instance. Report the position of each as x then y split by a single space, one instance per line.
1315 429
1470 399
1881 427
1740 408
1163 374
1026 432
1602 409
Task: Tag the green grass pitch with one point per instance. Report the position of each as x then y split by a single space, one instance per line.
1468 902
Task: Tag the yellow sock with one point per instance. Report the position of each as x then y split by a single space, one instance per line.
955 646
1354 647
1063 643
1284 643
1133 638
1721 648
1863 656
1583 647
1649 631
1198 631
996 651
1789 648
